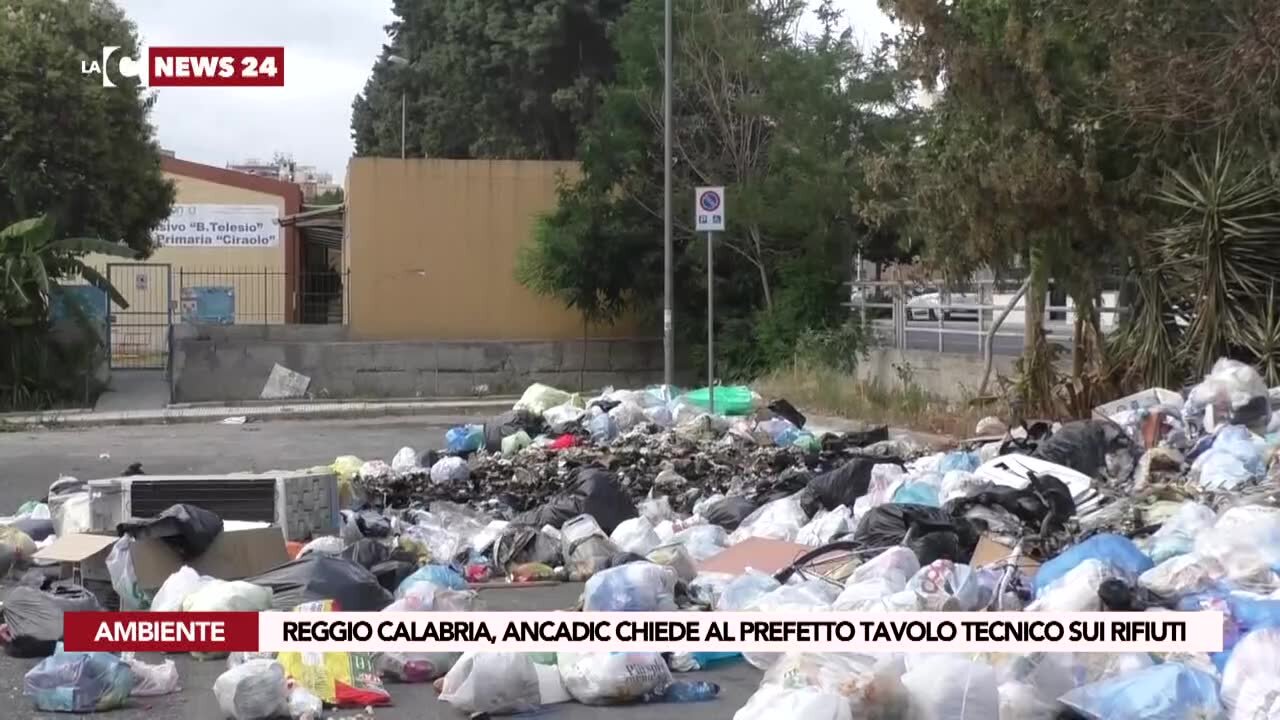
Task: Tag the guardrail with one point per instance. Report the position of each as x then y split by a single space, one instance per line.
910 316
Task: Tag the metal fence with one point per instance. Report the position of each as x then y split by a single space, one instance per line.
932 317
261 297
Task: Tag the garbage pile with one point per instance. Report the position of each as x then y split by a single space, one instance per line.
1161 502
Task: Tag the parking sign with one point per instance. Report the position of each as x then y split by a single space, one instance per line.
709 209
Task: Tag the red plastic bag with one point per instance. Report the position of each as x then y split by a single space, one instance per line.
564 442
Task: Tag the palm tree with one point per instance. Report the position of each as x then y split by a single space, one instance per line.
32 261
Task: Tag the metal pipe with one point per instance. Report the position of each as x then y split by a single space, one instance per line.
403 116
711 330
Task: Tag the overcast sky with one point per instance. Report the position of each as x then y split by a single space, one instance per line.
330 47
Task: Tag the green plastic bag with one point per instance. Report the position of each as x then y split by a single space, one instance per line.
731 400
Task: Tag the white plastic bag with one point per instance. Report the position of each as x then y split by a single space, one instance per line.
634 587
255 690
1177 536
150 680
944 585
773 702
450 470
702 541
1182 575
492 683
327 545
871 685
635 535
826 526
944 687
1076 591
896 566
73 514
1250 683
228 596
628 415
743 591
658 508
1235 391
406 460
612 678
562 418
866 596
176 588
960 484
1245 540
123 579
886 478
778 520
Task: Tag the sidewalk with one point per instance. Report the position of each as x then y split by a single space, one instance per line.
217 413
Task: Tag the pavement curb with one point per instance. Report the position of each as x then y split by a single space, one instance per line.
212 415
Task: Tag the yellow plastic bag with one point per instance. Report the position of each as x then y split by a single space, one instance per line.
339 679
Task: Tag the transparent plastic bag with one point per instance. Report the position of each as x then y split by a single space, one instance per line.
1245 540
303 704
635 535
603 428
562 418
1182 575
945 687
958 484
405 460
778 520
78 682
150 680
328 545
944 585
675 556
826 526
539 398
702 541
871 685
492 683
450 470
656 508
634 587
628 415
255 690
773 702
1250 683
866 596
707 587
72 515
228 596
744 590
414 667
1235 391
1169 691
1235 460
1077 591
123 579
897 565
1177 536
612 678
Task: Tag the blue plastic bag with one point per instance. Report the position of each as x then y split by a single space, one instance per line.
464 438
1115 550
958 460
1234 460
712 659
437 575
79 682
1170 691
603 428
917 493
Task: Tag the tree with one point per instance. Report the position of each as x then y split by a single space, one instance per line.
329 197
780 120
495 80
69 147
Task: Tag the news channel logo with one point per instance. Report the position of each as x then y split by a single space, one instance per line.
125 66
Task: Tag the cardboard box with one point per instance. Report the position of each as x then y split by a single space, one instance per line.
991 551
234 555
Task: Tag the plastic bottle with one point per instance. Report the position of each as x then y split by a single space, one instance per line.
686 691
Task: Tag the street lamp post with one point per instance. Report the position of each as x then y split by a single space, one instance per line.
668 297
401 62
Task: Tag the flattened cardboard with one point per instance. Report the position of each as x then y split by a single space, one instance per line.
992 552
74 548
234 555
760 554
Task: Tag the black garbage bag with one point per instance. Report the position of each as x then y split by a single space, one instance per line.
364 524
1044 505
847 483
1117 595
510 423
316 576
592 491
785 410
730 512
520 544
1081 445
393 572
1037 432
188 529
34 616
367 552
933 533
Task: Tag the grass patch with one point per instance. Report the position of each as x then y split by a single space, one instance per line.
903 404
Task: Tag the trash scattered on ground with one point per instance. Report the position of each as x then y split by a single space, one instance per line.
284 383
657 504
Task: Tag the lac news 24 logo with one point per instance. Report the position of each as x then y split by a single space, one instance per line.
191 66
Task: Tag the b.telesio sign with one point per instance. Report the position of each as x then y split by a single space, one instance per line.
220 226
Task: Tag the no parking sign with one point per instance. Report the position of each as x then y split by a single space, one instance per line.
709 209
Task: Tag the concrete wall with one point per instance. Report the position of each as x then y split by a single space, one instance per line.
230 363
948 375
432 247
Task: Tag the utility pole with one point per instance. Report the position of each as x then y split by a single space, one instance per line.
403 64
668 291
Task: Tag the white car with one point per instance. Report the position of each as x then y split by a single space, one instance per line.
928 305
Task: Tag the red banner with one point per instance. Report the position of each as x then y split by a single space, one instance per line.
215 67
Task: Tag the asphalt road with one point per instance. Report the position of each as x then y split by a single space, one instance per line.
924 335
31 460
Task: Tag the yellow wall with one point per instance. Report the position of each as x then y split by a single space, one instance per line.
432 248
258 299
